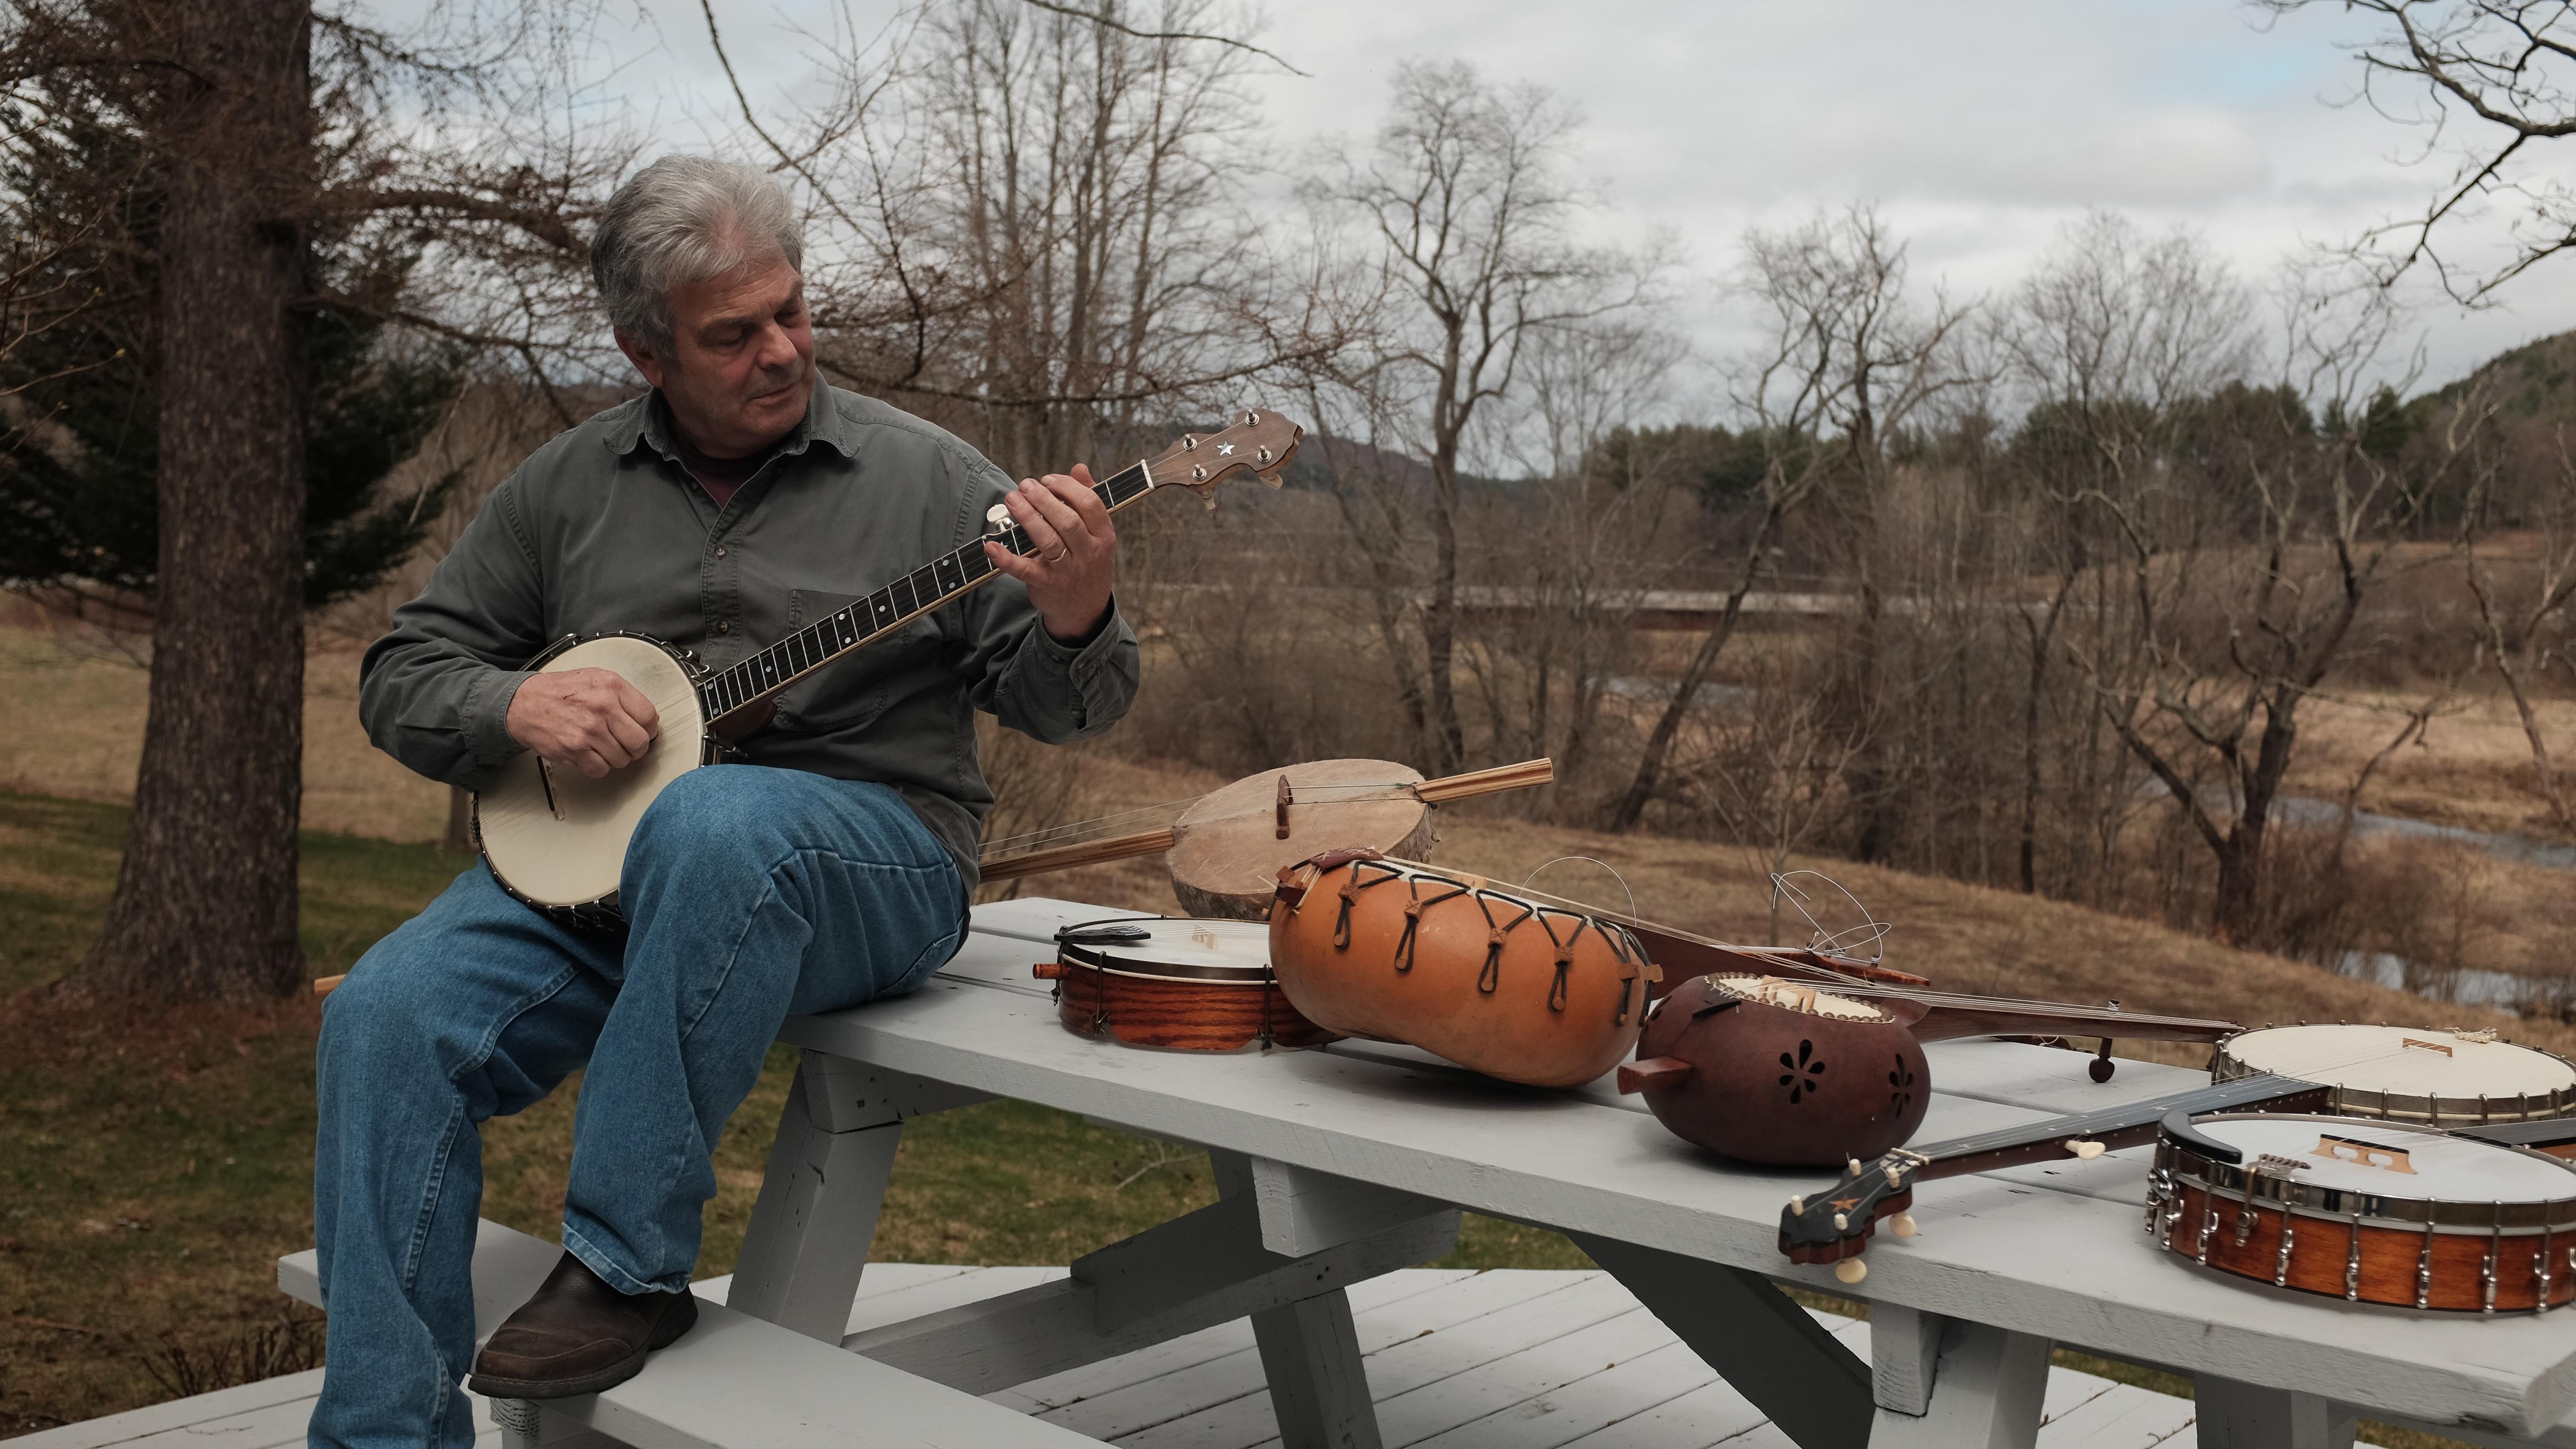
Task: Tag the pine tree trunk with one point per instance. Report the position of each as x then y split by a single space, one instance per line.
205 905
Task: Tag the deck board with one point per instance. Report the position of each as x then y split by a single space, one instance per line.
1456 1360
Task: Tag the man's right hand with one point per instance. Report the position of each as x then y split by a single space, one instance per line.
584 719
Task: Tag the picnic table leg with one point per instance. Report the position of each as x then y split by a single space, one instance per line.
1310 1352
827 1175
2235 1415
1758 1339
1946 1383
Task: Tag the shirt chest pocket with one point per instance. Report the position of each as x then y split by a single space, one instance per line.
852 691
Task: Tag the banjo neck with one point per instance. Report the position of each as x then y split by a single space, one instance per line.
743 686
729 699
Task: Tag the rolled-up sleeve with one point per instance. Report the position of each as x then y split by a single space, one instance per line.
1049 691
435 692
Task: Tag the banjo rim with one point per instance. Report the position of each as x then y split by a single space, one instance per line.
2178 1165
602 912
2431 1110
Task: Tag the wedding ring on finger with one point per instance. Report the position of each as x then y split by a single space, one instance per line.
1059 554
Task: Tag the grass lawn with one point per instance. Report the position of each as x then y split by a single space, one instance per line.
152 1168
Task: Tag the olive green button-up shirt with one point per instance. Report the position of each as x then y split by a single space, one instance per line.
601 529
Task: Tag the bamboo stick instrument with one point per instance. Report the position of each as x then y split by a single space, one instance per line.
1495 781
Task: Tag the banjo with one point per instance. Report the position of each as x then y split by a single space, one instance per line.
556 839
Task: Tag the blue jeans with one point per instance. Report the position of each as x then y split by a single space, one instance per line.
751 893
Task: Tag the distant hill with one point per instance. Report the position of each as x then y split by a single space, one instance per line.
2539 380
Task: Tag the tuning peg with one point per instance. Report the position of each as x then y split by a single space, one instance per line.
1851 1270
2084 1150
1851 1167
1903 1225
1271 478
1842 1222
1797 1207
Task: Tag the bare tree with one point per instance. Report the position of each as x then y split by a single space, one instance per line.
2483 80
2246 568
1564 564
2516 616
2108 339
1849 360
1031 221
1468 201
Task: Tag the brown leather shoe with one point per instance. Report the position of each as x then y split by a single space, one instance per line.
578 1336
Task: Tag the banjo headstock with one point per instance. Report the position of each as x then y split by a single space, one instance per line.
1834 1226
1255 441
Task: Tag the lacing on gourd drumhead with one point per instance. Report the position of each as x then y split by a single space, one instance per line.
1630 953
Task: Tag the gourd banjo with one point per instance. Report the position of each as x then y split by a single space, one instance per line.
556 839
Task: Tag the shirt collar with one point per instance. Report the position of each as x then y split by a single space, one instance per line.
648 420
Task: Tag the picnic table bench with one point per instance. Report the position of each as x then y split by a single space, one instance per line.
1338 1165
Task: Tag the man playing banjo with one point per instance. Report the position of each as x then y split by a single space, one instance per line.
736 501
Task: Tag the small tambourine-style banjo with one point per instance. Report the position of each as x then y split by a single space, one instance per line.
556 839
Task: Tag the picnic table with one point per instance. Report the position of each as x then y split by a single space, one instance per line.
1337 1165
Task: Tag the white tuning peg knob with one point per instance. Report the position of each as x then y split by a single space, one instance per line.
2086 1151
1851 1270
1903 1225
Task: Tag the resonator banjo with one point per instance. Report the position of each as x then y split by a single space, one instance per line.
556 839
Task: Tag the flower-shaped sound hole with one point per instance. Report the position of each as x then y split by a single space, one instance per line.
1803 1069
1900 1084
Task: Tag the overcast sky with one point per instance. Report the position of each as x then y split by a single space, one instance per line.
1978 128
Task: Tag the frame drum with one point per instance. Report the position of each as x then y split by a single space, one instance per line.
2421 1075
1185 985
2371 1212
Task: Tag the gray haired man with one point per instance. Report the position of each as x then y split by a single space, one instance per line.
738 499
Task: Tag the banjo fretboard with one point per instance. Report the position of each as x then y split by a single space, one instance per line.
926 588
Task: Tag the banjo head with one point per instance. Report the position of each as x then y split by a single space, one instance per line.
2409 1074
575 858
1216 952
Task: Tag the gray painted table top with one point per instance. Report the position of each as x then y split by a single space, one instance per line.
2048 1250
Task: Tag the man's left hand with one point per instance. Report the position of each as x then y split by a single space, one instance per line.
1074 564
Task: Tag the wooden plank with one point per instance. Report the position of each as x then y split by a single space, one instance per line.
2117 1416
2231 1414
1558 1159
1243 1416
1713 1413
1319 1391
738 1380
1605 1396
1184 1275
136 1424
807 1246
2048 1079
1185 1375
1768 1347
936 1295
508 1266
1304 1211
1462 1398
1987 1392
